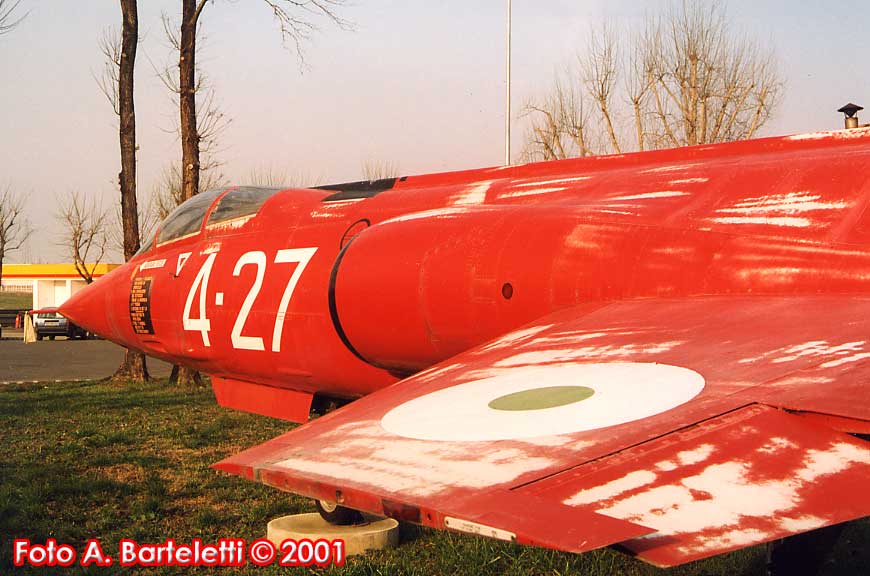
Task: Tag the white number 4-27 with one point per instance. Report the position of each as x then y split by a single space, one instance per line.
299 256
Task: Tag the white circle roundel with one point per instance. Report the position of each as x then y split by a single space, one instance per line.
527 402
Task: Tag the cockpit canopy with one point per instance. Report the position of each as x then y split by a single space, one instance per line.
186 219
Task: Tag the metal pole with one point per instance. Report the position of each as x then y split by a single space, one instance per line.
507 111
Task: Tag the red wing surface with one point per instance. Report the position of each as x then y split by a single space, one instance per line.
679 428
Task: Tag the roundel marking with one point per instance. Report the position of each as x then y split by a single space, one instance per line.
548 400
541 398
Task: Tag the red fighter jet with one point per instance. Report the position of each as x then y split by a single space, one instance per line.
665 351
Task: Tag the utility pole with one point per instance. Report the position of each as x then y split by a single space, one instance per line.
507 106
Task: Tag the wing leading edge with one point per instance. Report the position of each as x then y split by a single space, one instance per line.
660 425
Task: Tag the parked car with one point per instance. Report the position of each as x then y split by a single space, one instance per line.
47 322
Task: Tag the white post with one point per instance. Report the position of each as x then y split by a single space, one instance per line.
507 111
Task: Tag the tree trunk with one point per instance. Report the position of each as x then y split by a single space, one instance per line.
133 367
181 375
185 377
187 100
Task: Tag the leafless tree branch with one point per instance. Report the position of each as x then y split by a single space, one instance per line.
83 233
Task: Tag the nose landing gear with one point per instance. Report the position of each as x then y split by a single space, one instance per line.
336 514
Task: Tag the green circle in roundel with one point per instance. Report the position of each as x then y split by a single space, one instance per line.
540 398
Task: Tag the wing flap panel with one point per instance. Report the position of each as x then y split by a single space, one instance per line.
751 476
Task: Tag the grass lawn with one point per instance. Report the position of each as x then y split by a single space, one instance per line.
109 461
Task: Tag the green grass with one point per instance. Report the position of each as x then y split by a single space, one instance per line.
15 301
110 461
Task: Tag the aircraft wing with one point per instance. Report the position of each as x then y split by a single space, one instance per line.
674 428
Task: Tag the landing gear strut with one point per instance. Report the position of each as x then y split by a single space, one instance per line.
335 514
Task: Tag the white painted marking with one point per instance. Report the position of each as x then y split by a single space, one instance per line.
786 221
475 194
631 481
358 452
737 498
479 529
832 134
438 213
532 192
212 248
653 195
624 392
151 264
846 360
219 298
182 259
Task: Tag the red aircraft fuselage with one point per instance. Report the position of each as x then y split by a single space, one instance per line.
280 294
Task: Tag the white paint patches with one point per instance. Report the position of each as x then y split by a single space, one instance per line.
687 458
612 489
814 349
777 210
514 338
777 444
435 372
791 203
473 195
438 213
653 195
532 192
212 248
651 388
669 168
616 212
689 181
846 360
855 133
803 523
567 180
592 353
714 509
358 452
695 456
836 459
764 220
152 264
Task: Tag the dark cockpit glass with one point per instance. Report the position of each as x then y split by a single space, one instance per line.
187 218
240 202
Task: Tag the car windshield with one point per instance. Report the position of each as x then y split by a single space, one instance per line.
186 220
240 202
47 315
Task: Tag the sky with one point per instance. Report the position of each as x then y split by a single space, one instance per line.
417 84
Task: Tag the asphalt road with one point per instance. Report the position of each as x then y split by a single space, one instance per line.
63 359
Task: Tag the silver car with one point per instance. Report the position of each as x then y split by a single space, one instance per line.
47 322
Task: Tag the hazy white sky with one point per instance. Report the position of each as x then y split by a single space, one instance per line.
420 84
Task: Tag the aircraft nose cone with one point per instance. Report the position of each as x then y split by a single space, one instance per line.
89 308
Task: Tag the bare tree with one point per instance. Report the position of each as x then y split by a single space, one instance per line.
379 169
117 84
683 79
8 21
14 227
294 18
83 233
